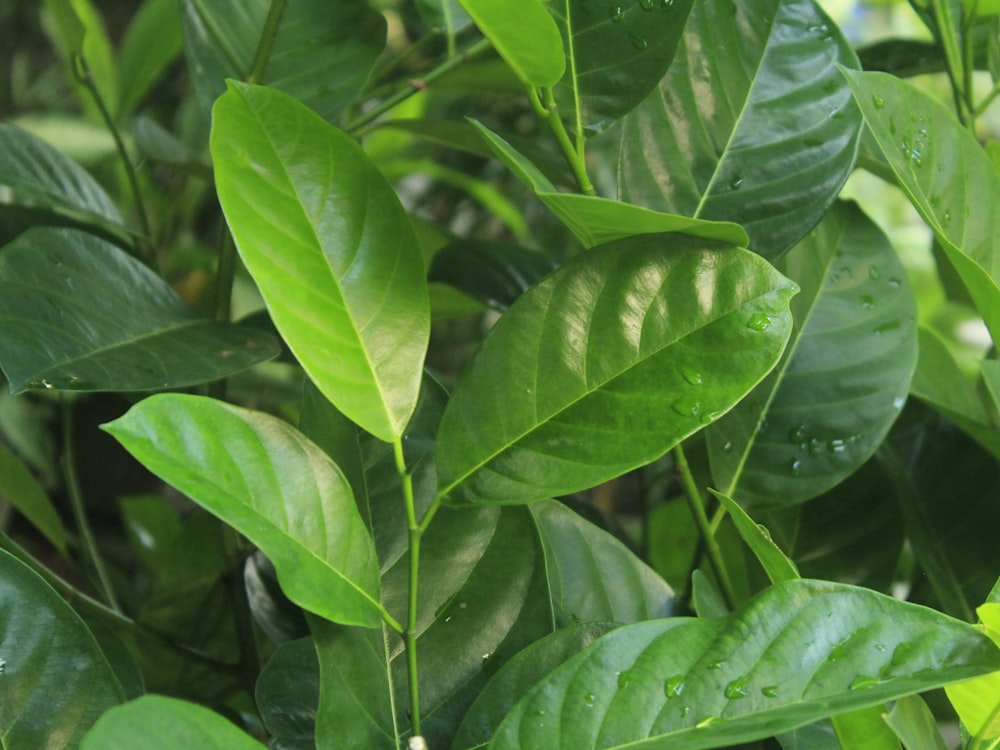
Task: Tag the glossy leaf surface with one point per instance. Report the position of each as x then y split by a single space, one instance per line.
266 480
524 35
615 54
62 327
775 563
841 382
155 722
761 131
56 681
800 651
331 250
607 364
923 143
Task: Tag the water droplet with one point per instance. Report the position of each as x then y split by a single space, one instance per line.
616 13
797 434
868 301
639 41
862 683
674 686
878 101
3 666
687 407
589 699
837 445
815 447
646 4
737 689
706 722
692 376
448 618
795 467
759 322
624 678
880 647
899 402
771 691
710 416
946 218
895 283
762 425
874 273
716 664
764 531
539 712
892 126
736 183
886 327
685 710
727 447
47 384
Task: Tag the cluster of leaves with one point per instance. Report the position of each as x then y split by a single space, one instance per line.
405 543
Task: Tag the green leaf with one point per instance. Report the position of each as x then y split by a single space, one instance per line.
38 185
266 480
843 379
287 695
443 14
518 676
68 25
977 701
276 615
912 721
596 221
155 722
78 314
152 42
593 576
762 133
615 55
331 250
922 141
323 52
607 364
864 729
20 488
798 652
56 681
524 35
775 563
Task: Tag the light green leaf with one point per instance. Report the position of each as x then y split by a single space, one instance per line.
152 42
977 701
615 55
525 36
843 379
798 652
607 364
56 681
923 143
155 722
20 488
78 314
761 131
68 26
775 563
912 721
270 483
864 729
331 249
596 221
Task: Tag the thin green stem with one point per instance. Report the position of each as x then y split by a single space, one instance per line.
954 58
695 504
574 155
266 43
384 74
417 86
91 553
145 242
987 100
415 535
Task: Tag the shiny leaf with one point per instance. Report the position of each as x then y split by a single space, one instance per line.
331 250
762 131
923 143
524 35
977 701
271 484
78 314
56 681
607 364
775 563
912 721
155 722
798 652
843 379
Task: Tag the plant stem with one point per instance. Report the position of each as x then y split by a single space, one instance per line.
82 73
383 74
415 534
574 155
266 44
694 501
91 554
946 34
416 86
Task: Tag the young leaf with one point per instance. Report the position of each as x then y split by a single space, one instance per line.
56 682
151 44
775 563
524 35
800 651
977 701
761 132
843 379
20 488
912 721
155 722
271 484
923 142
62 327
331 250
607 364
864 729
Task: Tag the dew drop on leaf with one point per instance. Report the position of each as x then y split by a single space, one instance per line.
646 4
624 678
589 699
616 13
874 273
639 41
797 434
759 322
868 301
673 686
716 664
795 467
706 722
861 682
539 712
737 689
727 447
686 407
878 101
692 376
736 183
886 327
771 691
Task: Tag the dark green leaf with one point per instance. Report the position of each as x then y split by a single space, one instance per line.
20 488
56 681
775 563
275 487
331 249
922 141
843 379
800 651
607 364
287 695
443 14
280 620
151 44
616 53
155 722
761 131
78 314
